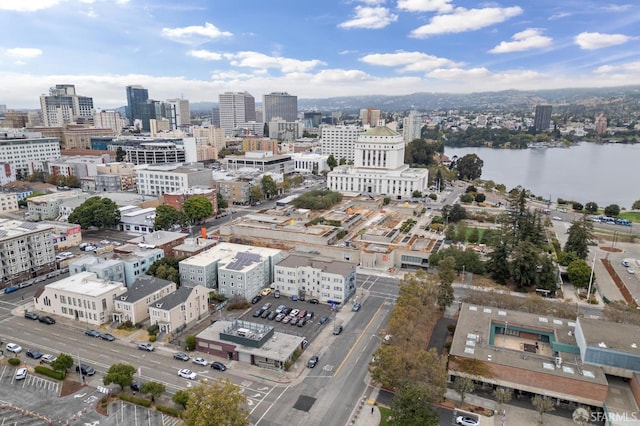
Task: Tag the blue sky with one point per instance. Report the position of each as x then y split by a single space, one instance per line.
312 49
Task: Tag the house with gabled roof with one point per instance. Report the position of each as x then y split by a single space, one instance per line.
134 304
175 311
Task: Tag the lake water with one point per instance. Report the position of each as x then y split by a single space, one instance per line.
606 174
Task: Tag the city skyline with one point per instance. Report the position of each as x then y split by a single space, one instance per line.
346 48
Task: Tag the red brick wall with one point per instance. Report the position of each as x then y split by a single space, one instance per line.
223 353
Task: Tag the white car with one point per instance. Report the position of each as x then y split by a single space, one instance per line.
46 358
21 373
294 312
200 361
558 218
14 347
467 421
631 271
187 374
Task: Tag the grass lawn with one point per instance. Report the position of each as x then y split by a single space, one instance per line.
632 216
384 415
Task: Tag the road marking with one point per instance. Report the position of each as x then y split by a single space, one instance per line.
357 341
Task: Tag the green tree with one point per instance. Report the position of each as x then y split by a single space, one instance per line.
155 389
190 343
453 214
580 234
419 152
612 210
502 396
167 217
464 386
181 397
565 258
223 402
120 154
542 404
547 273
480 197
416 194
197 208
591 207
446 275
461 232
579 273
524 266
413 405
636 205
450 232
342 161
63 362
332 162
120 374
469 167
96 211
166 268
474 236
222 203
466 198
256 193
498 263
269 187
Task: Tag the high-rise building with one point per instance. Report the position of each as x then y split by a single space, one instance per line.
137 109
279 104
542 119
601 124
182 111
370 116
340 141
63 106
110 120
412 127
235 108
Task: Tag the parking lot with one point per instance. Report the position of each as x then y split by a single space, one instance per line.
31 383
308 330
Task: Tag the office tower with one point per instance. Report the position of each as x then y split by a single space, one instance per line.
315 117
412 127
370 116
110 120
63 106
340 141
235 108
137 97
279 104
215 116
182 111
601 124
542 119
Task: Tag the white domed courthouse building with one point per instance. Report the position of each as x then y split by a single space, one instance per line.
379 168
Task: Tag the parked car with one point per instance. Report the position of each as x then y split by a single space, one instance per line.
279 317
276 294
200 361
265 291
218 366
280 309
266 306
181 356
135 386
21 373
92 333
34 353
265 314
302 313
301 322
294 297
293 321
286 319
146 347
467 421
48 359
272 315
11 289
309 315
625 263
31 315
356 307
287 311
257 313
314 301
631 271
14 347
85 370
313 361
47 320
256 299
323 320
107 336
337 330
187 374
294 313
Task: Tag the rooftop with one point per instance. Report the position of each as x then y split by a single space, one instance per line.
10 228
615 336
159 238
227 252
144 286
325 264
86 284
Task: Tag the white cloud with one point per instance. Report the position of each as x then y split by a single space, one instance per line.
592 41
411 61
373 2
616 7
440 6
370 17
524 40
334 76
559 15
260 60
27 5
630 67
183 34
205 54
462 20
23 52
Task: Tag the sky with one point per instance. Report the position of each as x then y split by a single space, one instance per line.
197 49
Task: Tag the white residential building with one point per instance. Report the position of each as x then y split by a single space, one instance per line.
82 297
110 120
26 249
340 141
307 276
8 202
175 311
182 111
63 106
235 108
27 152
133 305
379 168
158 179
412 127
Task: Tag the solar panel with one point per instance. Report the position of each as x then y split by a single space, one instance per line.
29 225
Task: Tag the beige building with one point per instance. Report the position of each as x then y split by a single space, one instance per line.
82 297
26 249
47 207
110 120
160 178
213 135
175 311
8 202
235 192
133 305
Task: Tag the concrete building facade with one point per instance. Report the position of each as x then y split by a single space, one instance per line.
235 108
159 179
63 106
340 141
27 152
26 249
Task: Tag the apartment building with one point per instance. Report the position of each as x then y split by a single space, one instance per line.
47 207
175 311
115 177
110 120
176 199
265 162
104 267
133 305
83 297
159 179
8 202
63 106
235 108
340 141
26 250
26 151
79 166
235 192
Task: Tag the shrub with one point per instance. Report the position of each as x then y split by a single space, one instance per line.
169 410
451 328
152 338
190 343
154 329
135 400
14 361
46 371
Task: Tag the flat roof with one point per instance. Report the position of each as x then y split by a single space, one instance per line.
10 228
224 252
325 264
615 336
85 284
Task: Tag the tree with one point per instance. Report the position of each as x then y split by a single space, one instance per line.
591 207
181 397
197 208
62 363
580 234
120 154
469 167
502 396
419 152
265 130
416 194
223 402
155 389
96 211
454 213
166 268
543 405
524 266
612 210
446 275
579 273
269 187
256 193
413 406
463 385
190 343
498 263
222 203
332 162
480 197
474 236
450 232
167 217
636 205
120 374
